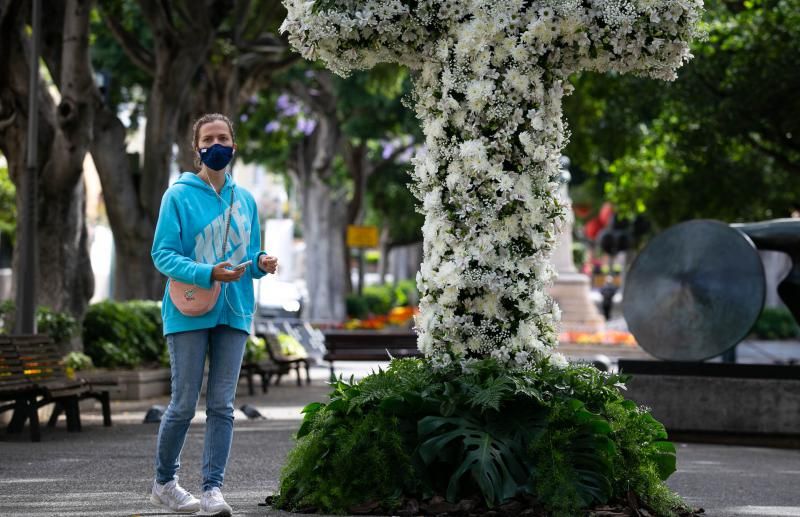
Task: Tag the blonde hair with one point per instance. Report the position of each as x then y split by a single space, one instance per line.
205 119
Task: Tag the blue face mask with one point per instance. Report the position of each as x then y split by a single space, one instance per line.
216 157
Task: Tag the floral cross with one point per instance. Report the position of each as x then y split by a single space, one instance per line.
489 79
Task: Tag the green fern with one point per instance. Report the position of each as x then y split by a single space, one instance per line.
573 459
489 394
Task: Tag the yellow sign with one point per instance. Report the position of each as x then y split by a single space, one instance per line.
362 236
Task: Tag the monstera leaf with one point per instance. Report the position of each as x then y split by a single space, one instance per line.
494 459
590 451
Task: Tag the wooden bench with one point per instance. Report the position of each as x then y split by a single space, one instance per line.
32 376
263 369
284 364
368 345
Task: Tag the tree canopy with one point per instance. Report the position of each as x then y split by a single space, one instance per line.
720 142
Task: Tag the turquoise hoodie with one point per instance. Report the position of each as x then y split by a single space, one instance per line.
188 242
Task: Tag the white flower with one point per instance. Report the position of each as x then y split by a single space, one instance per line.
539 154
558 360
479 93
537 122
517 80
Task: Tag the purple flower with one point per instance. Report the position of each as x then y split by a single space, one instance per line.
306 125
388 149
283 102
243 117
272 126
406 155
286 106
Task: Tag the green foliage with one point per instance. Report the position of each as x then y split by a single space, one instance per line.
705 145
343 459
406 293
8 206
372 256
255 349
58 325
128 83
776 323
645 458
356 306
6 316
492 454
290 346
565 437
124 334
392 204
78 361
573 466
380 299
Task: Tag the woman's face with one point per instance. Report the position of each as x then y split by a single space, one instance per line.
214 132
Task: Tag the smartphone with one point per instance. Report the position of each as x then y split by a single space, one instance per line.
239 267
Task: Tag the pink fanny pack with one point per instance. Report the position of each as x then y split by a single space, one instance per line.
193 300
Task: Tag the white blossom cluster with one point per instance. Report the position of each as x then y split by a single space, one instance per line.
488 90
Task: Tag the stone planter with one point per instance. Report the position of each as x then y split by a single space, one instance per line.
133 384
739 399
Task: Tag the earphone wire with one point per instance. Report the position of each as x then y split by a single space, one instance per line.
225 284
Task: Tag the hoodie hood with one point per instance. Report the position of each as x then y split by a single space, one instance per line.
193 180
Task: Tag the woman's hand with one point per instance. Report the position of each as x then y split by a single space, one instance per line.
267 263
221 273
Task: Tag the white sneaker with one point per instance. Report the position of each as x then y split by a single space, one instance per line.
174 497
212 503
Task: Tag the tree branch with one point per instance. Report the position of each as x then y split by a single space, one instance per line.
5 8
163 31
779 157
390 159
240 13
166 11
184 15
139 55
356 158
8 121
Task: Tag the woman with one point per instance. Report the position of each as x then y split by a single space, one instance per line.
206 226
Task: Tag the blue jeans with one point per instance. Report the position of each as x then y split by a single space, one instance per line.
187 354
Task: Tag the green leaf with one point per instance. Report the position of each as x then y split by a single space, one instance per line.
493 461
665 459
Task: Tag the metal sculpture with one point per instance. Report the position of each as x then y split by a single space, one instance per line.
695 291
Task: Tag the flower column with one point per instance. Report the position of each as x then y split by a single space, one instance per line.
492 75
487 185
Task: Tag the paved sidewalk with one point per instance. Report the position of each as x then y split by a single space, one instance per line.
108 471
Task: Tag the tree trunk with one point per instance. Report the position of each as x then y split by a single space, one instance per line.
64 275
161 131
133 200
385 248
405 261
324 225
325 209
135 277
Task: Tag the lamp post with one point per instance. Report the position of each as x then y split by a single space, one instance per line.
25 322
